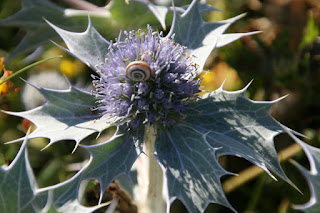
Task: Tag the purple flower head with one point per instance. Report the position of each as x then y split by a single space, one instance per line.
147 78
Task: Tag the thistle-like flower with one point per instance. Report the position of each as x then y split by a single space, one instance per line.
147 79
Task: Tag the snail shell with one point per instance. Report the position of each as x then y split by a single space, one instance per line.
138 71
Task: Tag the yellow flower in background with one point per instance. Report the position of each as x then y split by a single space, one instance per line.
71 68
4 88
221 72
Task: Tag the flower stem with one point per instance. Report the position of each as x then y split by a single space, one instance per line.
28 67
150 177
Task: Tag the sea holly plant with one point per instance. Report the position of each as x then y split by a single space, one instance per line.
20 193
147 85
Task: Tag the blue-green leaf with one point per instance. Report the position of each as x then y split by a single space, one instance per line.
17 184
220 123
62 198
112 159
19 191
201 37
89 46
67 115
160 11
312 176
30 18
108 161
191 168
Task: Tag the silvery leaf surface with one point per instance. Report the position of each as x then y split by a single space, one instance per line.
71 207
200 37
112 159
19 191
161 11
62 198
67 115
108 161
17 184
31 18
312 176
219 123
59 195
88 46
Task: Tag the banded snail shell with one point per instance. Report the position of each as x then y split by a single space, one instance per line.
138 71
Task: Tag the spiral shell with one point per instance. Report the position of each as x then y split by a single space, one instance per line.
138 71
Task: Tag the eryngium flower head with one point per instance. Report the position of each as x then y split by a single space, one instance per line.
162 81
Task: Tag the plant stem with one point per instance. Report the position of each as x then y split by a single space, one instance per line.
84 5
150 177
28 67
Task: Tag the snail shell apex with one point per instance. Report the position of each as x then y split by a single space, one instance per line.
138 71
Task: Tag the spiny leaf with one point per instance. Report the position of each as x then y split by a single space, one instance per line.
59 194
67 115
108 161
17 184
30 18
160 12
201 37
191 168
221 123
19 191
71 207
112 159
312 176
89 46
62 198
